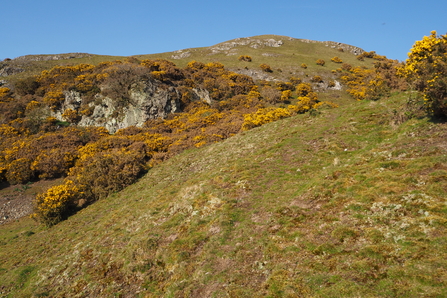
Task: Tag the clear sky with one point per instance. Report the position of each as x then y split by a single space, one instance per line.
135 27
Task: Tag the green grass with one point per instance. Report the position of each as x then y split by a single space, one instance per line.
285 60
347 202
36 67
343 204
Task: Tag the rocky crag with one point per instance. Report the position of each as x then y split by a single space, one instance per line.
148 99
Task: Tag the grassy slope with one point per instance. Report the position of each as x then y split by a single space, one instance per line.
285 60
36 67
347 203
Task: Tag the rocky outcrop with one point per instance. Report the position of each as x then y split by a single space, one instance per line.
180 54
230 47
147 100
256 43
10 70
337 45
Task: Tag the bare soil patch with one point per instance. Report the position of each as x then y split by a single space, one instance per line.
16 201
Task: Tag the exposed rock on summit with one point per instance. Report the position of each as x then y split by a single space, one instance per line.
255 43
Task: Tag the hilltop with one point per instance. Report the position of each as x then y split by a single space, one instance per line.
325 202
282 52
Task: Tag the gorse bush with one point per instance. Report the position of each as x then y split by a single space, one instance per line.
19 171
364 83
34 145
26 86
44 155
425 70
317 79
265 67
320 62
54 205
357 80
263 116
245 58
107 172
336 60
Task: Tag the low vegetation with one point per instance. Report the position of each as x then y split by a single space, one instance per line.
272 181
95 163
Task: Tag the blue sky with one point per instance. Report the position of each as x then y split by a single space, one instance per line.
135 27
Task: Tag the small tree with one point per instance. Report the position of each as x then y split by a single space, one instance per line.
304 65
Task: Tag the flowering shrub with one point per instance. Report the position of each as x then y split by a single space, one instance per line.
244 58
286 95
93 163
357 81
374 83
425 70
336 60
295 81
53 205
71 116
107 172
303 89
265 67
263 116
320 62
317 79
4 92
19 171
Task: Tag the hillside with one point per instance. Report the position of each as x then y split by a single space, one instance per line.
59 105
334 202
347 203
281 52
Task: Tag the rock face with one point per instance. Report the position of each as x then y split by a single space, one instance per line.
256 43
180 54
147 100
10 70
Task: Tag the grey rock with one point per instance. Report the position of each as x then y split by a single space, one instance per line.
181 55
148 99
10 70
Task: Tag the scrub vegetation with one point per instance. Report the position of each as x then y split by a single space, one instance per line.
278 188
